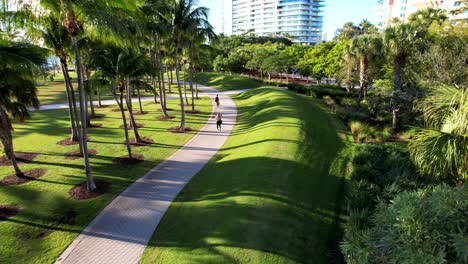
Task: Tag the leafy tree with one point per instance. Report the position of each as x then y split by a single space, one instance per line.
17 89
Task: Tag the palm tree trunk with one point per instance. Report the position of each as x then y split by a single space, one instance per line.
362 76
185 86
7 141
124 119
88 119
99 97
176 53
89 178
75 108
162 93
169 79
398 65
191 80
130 113
74 135
139 100
93 113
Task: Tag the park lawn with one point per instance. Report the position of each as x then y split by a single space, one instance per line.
226 82
272 194
54 93
49 219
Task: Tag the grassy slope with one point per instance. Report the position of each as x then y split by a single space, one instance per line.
269 196
46 225
224 82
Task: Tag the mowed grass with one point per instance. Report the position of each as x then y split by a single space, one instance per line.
225 82
49 219
270 195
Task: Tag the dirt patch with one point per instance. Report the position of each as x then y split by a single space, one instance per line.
164 118
167 109
69 142
140 113
29 175
94 125
118 109
80 191
178 130
21 158
138 125
7 211
192 112
125 160
76 154
97 116
145 141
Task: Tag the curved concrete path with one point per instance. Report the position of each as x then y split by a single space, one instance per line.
120 233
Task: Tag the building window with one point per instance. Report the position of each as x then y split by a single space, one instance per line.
402 15
403 8
457 3
404 1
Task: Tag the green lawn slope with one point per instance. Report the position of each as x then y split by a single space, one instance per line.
49 219
225 82
267 197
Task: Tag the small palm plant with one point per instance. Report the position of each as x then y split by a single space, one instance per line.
441 149
17 89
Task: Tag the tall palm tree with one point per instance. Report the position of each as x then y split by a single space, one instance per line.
17 88
428 16
103 18
365 48
196 39
55 37
182 15
399 41
441 149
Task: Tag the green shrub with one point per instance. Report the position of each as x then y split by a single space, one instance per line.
362 195
422 226
357 221
360 131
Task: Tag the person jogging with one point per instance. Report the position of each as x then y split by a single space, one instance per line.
217 101
219 121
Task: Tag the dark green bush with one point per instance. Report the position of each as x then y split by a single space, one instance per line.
362 195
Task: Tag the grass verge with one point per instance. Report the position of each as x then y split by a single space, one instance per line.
225 82
270 195
48 219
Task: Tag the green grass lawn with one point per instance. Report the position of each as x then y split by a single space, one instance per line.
225 82
270 195
49 219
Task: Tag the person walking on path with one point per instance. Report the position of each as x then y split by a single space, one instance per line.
217 101
219 121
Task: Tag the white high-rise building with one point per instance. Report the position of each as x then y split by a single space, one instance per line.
402 9
301 20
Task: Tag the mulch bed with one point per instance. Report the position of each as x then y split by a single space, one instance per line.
165 118
95 125
69 142
138 125
29 175
96 116
178 130
7 211
145 141
167 109
192 112
140 113
21 157
118 109
125 160
74 155
80 191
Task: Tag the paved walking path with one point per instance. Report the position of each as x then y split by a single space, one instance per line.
120 233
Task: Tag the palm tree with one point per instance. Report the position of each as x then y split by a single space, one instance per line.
441 149
399 41
196 39
182 15
364 48
426 17
107 18
56 37
17 88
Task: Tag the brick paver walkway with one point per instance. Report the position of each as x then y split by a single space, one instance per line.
120 233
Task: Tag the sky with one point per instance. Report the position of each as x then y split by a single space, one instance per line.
336 13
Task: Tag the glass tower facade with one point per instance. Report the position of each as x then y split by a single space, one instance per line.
301 20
